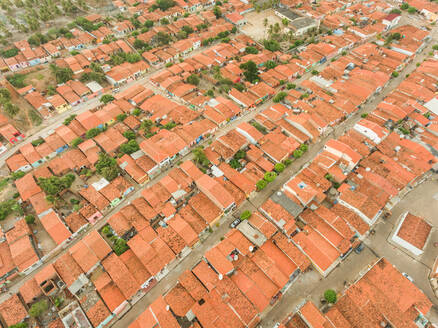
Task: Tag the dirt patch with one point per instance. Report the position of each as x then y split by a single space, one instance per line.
255 26
41 79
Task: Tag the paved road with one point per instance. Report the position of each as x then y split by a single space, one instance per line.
197 253
308 284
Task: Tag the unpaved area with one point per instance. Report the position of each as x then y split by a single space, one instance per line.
255 27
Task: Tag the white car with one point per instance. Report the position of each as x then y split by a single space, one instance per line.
408 277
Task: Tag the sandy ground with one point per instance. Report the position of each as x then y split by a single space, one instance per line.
255 28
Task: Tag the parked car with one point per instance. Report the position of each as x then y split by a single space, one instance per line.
408 277
359 248
235 223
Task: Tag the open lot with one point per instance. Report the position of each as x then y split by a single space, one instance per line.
255 27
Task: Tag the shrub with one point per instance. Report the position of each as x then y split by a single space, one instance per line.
271 45
136 112
106 230
68 120
297 153
12 52
245 215
20 325
291 86
412 10
279 167
261 184
364 115
106 99
279 96
270 176
129 134
76 142
38 308
235 164
29 219
315 72
394 74
17 80
287 162
251 50
37 142
304 148
17 175
330 296
130 147
120 246
121 117
92 133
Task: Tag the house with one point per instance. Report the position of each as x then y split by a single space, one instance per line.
236 19
216 192
391 20
412 233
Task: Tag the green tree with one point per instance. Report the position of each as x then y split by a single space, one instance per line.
93 132
279 167
404 6
291 86
17 80
270 64
38 308
106 98
11 109
251 50
54 185
193 79
20 325
217 11
163 38
165 4
235 164
271 45
330 296
29 219
270 176
412 10
250 71
76 142
62 74
8 53
164 21
394 74
121 117
261 184
245 215
130 147
297 153
200 157
279 96
129 134
110 172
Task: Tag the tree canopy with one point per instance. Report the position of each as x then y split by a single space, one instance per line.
250 71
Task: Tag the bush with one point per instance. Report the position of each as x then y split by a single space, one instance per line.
54 185
17 175
364 115
304 148
315 72
287 162
270 176
12 52
106 99
29 219
130 147
330 296
38 308
121 117
235 164
76 142
271 45
20 325
92 133
279 167
404 6
37 142
394 74
193 79
261 184
17 80
136 112
291 86
129 134
297 153
120 246
279 96
412 10
251 50
106 230
245 215
68 120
